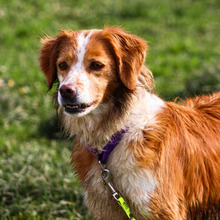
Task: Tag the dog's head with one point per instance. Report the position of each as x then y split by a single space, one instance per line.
91 65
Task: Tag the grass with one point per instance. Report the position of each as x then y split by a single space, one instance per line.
36 179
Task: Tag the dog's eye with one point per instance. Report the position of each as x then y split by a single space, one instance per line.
96 66
63 66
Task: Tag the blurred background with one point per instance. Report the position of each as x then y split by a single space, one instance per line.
36 179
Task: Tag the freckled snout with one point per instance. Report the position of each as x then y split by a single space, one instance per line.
69 99
68 91
69 94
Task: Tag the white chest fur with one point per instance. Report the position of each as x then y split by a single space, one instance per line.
135 184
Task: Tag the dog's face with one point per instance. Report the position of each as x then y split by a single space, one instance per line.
91 65
84 72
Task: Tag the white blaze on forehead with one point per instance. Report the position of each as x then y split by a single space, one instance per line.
81 48
77 74
77 70
82 41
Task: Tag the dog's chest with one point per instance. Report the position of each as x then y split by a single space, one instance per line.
133 183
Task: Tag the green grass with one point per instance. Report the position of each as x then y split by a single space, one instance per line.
36 179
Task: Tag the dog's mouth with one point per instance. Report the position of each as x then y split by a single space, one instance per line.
77 108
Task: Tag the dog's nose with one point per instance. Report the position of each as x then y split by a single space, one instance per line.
67 91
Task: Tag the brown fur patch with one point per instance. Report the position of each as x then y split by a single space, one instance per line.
82 160
184 149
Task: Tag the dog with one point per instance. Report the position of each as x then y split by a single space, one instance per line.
165 162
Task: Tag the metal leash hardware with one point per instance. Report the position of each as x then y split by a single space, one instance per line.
106 176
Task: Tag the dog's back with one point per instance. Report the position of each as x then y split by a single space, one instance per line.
191 150
209 172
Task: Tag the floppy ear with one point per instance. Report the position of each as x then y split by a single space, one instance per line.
129 51
48 57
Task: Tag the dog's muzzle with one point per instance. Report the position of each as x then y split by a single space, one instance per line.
69 100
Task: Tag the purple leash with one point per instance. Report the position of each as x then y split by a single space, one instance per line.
109 147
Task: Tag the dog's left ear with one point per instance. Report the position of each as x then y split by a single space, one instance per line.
129 52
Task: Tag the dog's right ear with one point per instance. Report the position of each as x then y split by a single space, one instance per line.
49 54
48 57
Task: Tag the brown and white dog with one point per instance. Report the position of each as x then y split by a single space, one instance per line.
167 164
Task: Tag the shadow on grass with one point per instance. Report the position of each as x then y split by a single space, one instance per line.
50 128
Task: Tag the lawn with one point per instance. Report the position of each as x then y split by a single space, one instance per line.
36 178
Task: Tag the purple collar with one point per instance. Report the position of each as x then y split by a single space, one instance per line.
109 147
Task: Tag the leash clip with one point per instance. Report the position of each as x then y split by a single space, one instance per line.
106 177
